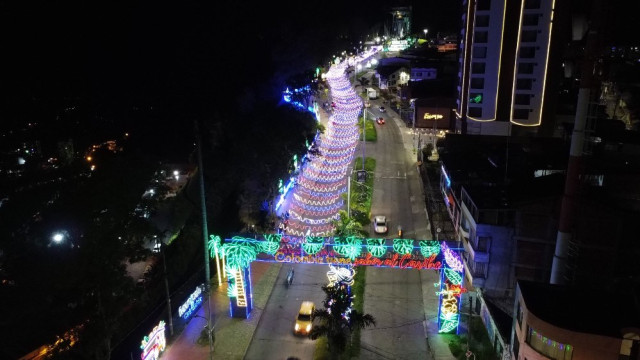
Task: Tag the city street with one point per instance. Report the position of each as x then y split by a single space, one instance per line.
274 337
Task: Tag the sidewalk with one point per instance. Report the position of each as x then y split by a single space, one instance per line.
233 336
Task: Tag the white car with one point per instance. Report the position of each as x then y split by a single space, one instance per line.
380 224
381 109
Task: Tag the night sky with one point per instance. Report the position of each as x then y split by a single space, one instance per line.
188 56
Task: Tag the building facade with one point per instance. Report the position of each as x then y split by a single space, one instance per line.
503 62
548 323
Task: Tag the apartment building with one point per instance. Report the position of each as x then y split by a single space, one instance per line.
503 65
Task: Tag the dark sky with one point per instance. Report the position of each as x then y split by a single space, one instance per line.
158 50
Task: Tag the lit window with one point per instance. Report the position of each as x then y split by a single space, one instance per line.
548 347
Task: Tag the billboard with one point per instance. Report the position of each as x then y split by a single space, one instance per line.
430 117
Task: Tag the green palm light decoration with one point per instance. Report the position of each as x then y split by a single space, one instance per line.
403 246
313 244
376 247
239 253
476 99
214 245
271 243
453 276
232 289
429 247
448 325
350 247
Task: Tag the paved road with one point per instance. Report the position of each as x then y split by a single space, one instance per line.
395 297
274 338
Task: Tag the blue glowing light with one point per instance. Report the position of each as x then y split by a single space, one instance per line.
191 304
446 177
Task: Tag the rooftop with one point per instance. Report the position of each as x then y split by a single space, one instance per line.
568 307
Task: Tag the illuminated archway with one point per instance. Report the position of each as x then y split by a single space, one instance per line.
238 252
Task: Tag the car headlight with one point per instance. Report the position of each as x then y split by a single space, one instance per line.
308 327
297 327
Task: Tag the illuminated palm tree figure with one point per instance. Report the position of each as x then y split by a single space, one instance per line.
337 320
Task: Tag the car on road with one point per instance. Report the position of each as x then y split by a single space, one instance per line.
304 321
380 224
380 120
382 109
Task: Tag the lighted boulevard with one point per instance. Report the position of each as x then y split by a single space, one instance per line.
397 293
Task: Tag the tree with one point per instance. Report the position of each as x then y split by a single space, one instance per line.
337 320
347 226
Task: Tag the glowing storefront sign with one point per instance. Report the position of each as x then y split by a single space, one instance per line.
191 304
154 343
429 116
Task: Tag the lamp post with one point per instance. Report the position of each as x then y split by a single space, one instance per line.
425 32
364 132
205 236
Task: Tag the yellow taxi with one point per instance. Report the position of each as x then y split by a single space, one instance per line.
304 321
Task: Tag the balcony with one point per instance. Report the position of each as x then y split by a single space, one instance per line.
476 254
476 279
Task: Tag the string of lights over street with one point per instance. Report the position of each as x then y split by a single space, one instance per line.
316 199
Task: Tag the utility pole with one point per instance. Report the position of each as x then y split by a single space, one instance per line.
364 132
349 194
205 236
166 287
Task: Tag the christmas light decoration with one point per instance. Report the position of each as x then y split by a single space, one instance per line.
271 243
340 275
311 211
452 259
215 246
429 247
403 246
350 247
453 276
239 253
313 244
376 247
154 343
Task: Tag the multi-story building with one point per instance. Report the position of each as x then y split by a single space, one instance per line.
503 65
558 322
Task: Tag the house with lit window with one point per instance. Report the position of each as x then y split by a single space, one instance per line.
575 323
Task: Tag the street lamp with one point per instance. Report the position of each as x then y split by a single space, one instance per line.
425 32
58 237
364 133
